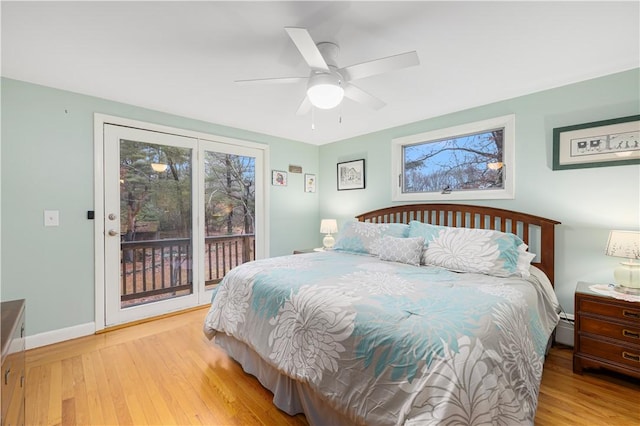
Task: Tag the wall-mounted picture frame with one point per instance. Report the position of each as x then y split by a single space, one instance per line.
613 142
309 182
351 175
278 178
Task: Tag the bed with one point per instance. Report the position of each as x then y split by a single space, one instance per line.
422 314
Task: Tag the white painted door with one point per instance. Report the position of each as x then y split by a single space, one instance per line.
150 222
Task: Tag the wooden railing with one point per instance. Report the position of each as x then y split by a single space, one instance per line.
156 269
223 253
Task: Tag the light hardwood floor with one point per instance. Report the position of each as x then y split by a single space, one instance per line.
166 372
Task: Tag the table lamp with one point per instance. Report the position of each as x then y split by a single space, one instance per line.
328 226
627 275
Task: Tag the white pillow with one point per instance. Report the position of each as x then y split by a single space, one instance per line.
365 237
481 251
404 250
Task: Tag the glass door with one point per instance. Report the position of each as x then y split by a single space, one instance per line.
150 208
232 185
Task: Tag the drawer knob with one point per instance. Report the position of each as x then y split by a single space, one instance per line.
631 357
630 314
632 334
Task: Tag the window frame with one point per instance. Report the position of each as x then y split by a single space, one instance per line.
507 122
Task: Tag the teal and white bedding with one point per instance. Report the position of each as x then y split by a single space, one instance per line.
389 343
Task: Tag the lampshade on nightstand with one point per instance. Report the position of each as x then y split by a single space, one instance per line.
627 275
328 226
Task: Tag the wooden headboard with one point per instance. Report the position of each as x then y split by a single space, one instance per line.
535 231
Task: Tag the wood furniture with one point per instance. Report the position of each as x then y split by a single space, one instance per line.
538 232
607 332
13 364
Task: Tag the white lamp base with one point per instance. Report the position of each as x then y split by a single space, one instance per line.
627 277
328 241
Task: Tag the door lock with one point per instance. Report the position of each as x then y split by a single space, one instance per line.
112 216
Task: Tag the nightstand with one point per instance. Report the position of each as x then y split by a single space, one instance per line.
607 332
301 251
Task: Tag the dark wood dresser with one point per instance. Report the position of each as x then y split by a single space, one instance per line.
607 332
13 363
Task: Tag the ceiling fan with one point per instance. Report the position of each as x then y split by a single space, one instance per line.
327 84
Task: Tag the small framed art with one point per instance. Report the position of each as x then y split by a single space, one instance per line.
351 175
278 178
309 182
612 142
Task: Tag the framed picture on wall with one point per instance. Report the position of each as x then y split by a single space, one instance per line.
309 182
612 142
278 178
351 175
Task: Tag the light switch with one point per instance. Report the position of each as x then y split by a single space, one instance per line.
51 218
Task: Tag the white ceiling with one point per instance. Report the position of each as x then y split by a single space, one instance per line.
183 57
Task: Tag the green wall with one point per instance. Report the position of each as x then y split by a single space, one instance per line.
589 202
47 164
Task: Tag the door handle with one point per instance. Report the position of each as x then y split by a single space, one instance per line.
113 232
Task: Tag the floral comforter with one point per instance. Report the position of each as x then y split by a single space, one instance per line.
390 343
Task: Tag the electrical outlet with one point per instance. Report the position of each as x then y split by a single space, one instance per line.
51 218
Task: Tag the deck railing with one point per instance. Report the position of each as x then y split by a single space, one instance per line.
156 269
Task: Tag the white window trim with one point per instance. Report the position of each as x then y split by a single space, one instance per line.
508 192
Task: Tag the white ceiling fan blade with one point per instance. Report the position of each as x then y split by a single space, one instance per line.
304 107
356 94
280 80
308 49
379 66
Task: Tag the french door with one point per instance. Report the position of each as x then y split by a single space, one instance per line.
231 189
179 213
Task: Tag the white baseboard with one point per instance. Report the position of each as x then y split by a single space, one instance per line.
60 335
564 331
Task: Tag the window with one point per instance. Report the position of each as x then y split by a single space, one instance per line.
469 162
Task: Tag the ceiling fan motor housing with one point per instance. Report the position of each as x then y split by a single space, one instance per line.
329 52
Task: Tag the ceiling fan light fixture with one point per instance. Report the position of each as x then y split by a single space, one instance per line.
325 90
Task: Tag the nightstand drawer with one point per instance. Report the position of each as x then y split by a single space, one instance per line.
605 328
619 354
610 310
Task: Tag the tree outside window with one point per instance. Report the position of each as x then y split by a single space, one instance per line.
468 162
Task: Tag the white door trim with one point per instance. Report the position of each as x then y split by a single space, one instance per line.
99 229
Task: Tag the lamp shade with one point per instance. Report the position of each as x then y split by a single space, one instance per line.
328 226
624 244
325 91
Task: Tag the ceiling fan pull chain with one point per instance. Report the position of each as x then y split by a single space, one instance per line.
313 118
